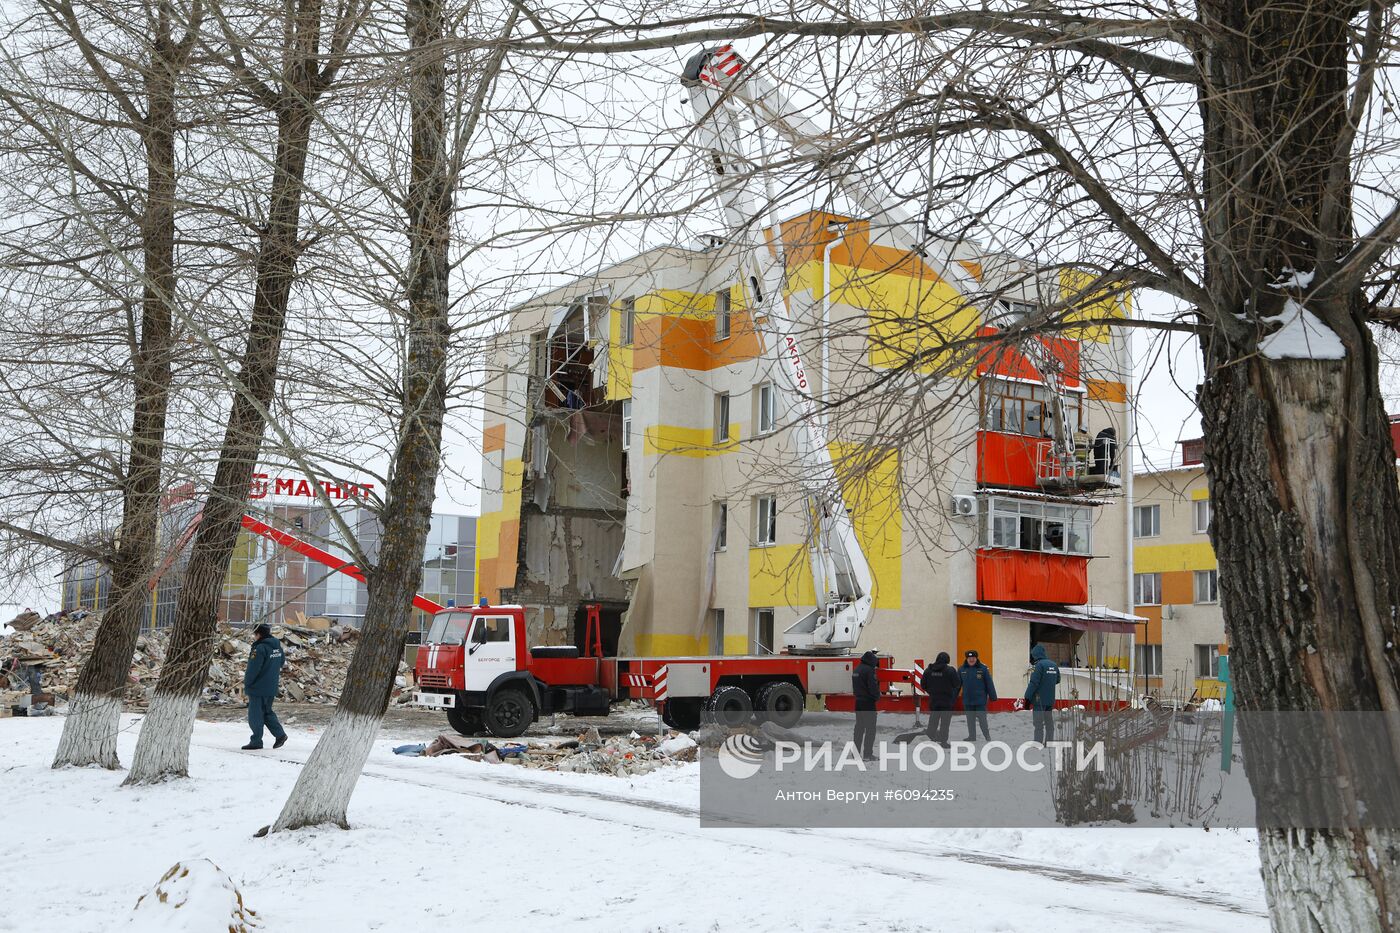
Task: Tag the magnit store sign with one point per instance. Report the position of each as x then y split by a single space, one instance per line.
266 486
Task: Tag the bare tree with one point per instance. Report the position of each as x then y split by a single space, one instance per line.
139 82
323 789
286 78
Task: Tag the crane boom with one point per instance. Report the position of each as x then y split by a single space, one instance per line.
728 76
842 577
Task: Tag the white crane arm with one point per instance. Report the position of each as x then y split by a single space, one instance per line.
841 573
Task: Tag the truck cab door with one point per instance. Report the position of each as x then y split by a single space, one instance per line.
490 650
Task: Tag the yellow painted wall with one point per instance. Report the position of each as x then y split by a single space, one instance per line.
1165 558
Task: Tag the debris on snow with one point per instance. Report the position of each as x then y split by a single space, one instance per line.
314 672
621 756
193 897
1301 336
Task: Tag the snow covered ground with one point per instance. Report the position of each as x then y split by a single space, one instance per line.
449 844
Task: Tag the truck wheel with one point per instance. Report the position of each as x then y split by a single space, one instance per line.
509 713
780 703
683 715
729 706
465 720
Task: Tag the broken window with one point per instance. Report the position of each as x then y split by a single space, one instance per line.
721 526
765 521
1013 407
767 414
1027 525
717 643
762 632
721 417
627 424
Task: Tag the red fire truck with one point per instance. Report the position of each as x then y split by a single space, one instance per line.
478 667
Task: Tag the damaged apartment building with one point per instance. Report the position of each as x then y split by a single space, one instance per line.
637 456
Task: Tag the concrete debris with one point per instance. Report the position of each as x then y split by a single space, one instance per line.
57 646
619 756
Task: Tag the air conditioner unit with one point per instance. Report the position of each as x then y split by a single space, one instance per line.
964 505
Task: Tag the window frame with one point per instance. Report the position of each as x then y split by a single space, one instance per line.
766 416
1010 400
1214 577
627 325
765 521
1156 512
1211 669
724 309
722 523
1197 526
1006 519
717 633
756 635
1140 653
626 424
1156 588
723 413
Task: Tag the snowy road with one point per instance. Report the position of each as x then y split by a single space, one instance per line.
450 844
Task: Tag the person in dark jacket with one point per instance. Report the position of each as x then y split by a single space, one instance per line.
977 691
1040 694
866 687
942 683
260 687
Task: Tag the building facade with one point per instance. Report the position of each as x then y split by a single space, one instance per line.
269 583
638 454
1176 582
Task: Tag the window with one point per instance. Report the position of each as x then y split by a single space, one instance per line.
721 526
1200 514
722 314
496 628
721 417
1206 658
1026 525
765 510
628 323
627 424
762 632
717 638
1024 408
1149 660
1147 521
1207 584
767 415
1147 589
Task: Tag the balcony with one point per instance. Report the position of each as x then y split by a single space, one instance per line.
1015 576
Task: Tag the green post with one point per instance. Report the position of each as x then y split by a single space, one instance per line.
1227 724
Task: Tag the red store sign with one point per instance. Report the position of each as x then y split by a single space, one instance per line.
264 485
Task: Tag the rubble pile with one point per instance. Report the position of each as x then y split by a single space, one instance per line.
314 671
590 753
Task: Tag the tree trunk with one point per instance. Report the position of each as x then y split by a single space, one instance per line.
323 789
162 750
90 731
1298 454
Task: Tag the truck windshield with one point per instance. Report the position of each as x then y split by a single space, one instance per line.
449 628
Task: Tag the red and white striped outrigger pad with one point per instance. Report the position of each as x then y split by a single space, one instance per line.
713 66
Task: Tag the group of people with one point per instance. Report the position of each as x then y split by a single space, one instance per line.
945 684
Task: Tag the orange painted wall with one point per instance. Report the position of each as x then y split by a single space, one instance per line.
1153 615
689 342
974 634
1178 587
493 438
1031 576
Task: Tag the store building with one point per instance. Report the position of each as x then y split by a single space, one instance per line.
268 583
